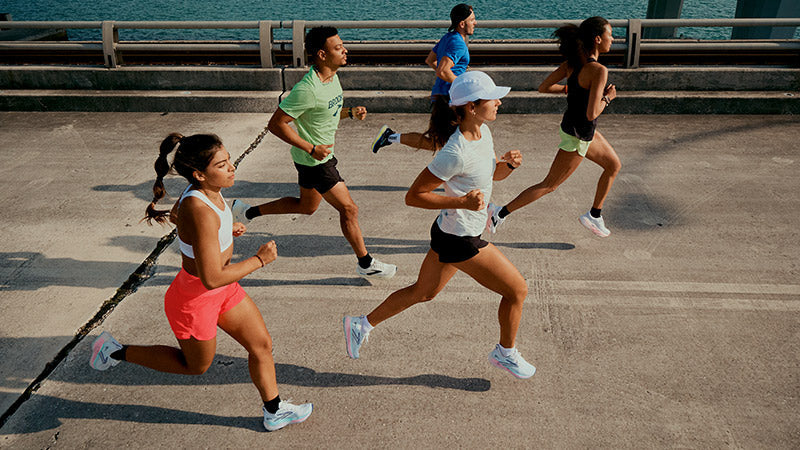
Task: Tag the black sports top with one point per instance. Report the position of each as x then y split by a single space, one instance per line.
575 122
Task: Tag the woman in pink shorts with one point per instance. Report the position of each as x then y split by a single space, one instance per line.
206 294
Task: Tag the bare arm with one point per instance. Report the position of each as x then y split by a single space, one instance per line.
502 169
444 69
421 195
550 84
598 89
431 60
199 225
279 125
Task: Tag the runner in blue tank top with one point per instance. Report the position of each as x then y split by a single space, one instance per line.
588 95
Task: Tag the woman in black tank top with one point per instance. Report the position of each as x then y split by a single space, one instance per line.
588 94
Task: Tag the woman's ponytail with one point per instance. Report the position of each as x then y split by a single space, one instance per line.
162 167
576 43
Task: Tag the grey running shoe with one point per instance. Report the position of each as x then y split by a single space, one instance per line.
382 139
238 209
286 414
377 270
353 335
102 348
513 363
494 220
595 224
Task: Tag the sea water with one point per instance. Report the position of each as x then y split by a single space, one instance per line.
251 10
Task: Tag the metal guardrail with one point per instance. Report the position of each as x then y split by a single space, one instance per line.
633 45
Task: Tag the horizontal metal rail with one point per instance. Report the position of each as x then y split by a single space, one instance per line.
632 45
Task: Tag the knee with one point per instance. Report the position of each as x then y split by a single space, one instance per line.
548 186
262 348
614 168
517 293
349 212
197 367
307 209
423 295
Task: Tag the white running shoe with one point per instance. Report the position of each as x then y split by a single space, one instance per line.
238 209
595 224
354 335
377 270
494 220
102 348
514 363
286 414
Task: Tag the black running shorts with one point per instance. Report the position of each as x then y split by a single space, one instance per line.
452 248
321 177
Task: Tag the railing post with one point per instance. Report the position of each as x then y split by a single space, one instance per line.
265 43
110 40
634 42
298 43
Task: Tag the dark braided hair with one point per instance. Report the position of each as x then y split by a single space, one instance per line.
193 153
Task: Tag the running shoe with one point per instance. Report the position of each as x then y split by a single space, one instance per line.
102 348
353 334
377 269
494 220
382 139
238 209
513 363
286 414
595 224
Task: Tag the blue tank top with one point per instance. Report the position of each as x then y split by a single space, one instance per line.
575 122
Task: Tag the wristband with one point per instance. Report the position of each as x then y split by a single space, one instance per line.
350 112
607 100
510 166
313 147
262 261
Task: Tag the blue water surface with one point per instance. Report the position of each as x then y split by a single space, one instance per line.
234 10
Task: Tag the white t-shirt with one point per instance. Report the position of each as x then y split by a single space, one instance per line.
463 166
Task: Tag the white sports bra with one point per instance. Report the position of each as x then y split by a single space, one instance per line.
225 222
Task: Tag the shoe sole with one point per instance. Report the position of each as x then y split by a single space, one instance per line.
378 138
299 420
97 345
497 364
242 218
348 323
592 228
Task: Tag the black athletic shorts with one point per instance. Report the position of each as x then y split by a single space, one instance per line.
452 248
321 177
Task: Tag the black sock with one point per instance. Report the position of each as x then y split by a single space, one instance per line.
503 212
119 355
252 213
365 261
272 405
595 212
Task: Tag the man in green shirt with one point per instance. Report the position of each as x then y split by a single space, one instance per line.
315 107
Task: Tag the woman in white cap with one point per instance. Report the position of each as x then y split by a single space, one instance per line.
466 165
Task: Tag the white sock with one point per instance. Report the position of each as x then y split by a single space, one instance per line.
394 138
505 351
365 325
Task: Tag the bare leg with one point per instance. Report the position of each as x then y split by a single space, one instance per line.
603 154
339 197
563 165
493 270
417 140
307 203
193 358
432 278
245 324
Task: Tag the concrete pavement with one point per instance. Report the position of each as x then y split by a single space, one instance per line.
680 330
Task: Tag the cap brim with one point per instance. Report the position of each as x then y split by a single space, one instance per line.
498 92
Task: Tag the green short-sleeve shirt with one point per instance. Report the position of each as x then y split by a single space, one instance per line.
315 107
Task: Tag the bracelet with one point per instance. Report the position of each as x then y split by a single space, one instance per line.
313 147
510 166
607 100
262 261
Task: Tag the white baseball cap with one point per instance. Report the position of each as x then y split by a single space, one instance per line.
475 85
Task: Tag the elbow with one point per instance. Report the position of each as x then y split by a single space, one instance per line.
543 89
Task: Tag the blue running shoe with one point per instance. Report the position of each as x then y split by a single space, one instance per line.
514 363
353 335
102 348
286 414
